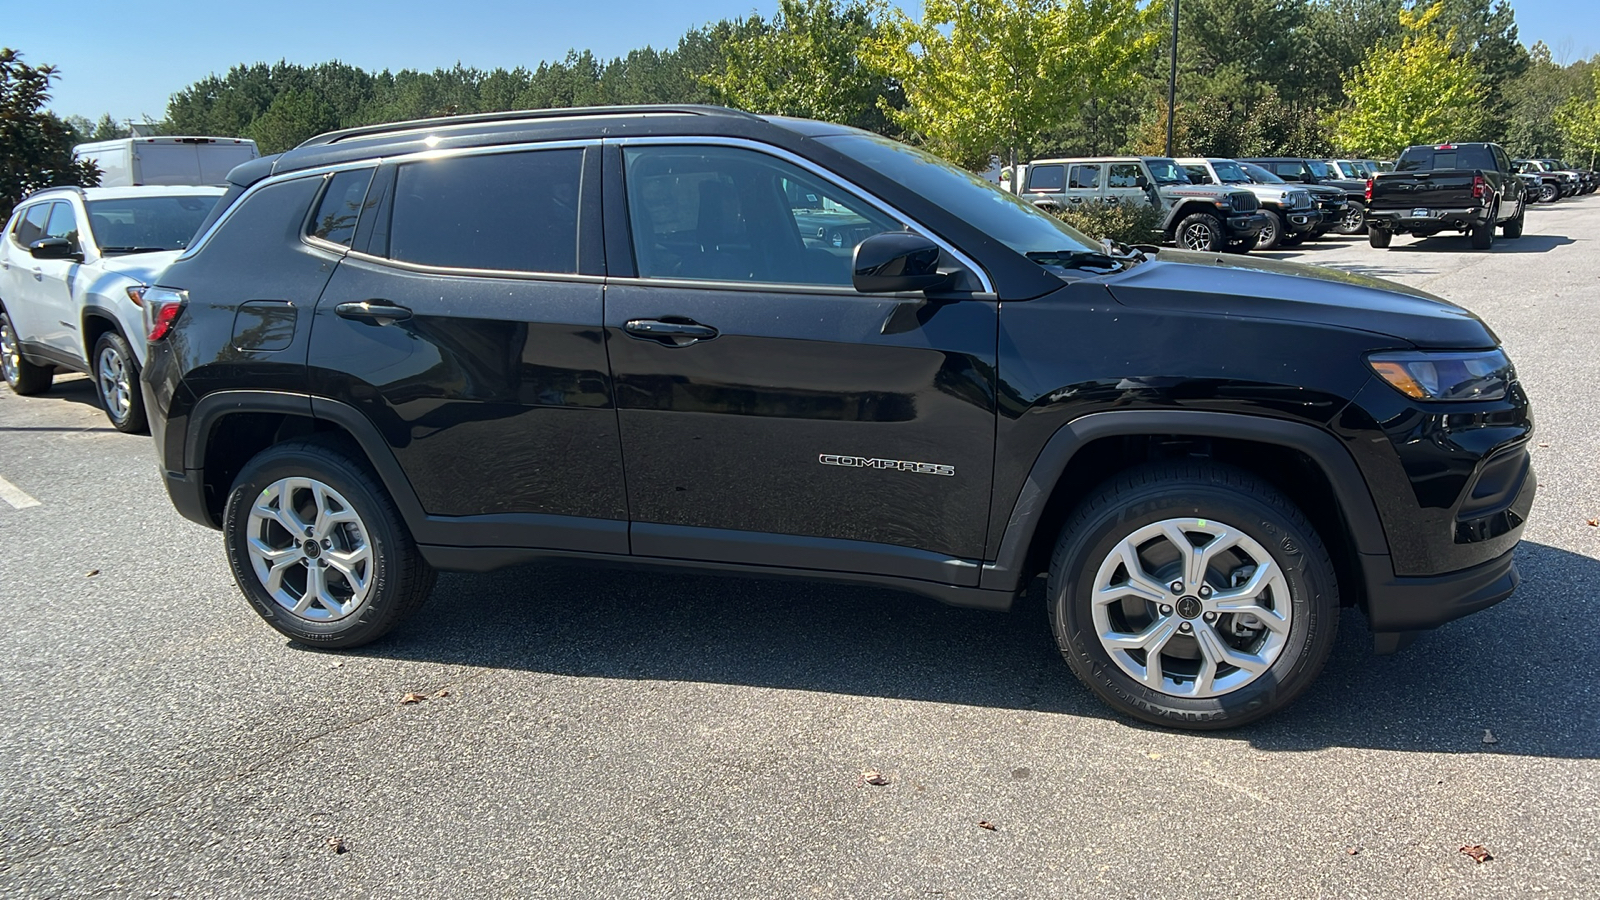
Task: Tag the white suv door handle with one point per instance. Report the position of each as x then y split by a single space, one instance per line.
38 274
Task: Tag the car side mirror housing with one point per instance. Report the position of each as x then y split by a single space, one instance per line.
1139 181
55 248
896 261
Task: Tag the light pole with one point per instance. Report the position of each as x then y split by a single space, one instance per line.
1172 79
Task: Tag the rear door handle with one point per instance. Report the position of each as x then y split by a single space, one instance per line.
671 333
380 312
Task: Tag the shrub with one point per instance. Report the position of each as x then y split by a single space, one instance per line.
1127 223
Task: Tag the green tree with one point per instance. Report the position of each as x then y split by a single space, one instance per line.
1533 99
984 78
807 61
35 146
1579 120
1420 91
292 117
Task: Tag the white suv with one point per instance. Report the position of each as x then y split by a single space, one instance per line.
74 264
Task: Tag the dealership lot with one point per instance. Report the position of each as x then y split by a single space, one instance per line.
634 734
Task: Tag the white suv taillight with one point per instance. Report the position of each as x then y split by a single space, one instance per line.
161 308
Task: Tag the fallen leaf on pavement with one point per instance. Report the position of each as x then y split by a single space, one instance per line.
1594 523
1353 851
1489 738
335 665
873 776
336 844
1477 852
443 693
412 698
987 825
92 573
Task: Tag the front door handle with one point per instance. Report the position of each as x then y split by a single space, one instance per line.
671 332
379 312
38 274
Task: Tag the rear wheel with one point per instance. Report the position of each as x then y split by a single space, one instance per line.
1200 231
24 377
1355 218
1483 235
1377 237
1192 595
318 547
116 378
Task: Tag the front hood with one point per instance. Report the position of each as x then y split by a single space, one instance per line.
1209 192
141 267
1257 288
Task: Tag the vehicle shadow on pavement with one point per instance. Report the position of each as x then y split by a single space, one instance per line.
1460 243
1497 670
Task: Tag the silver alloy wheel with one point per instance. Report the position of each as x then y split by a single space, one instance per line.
1355 218
1268 235
1191 608
10 352
310 550
1549 193
1197 236
116 391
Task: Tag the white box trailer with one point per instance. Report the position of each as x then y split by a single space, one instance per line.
166 160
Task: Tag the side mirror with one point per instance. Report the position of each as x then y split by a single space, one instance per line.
1141 182
55 248
1308 178
896 261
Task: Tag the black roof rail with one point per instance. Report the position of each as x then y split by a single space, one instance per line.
522 114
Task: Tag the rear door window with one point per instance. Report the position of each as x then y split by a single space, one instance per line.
1085 177
340 208
504 211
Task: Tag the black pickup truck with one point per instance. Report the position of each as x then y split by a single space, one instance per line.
1470 188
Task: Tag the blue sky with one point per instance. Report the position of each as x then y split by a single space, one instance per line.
127 58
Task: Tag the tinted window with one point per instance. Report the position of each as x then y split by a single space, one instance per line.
1427 159
1287 169
341 206
1046 178
513 211
1086 177
63 223
134 224
30 225
1320 169
1198 174
1166 171
1259 175
1230 172
717 213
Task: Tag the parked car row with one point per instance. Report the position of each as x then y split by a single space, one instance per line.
1552 179
815 352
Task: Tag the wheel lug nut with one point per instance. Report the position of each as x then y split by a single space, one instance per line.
310 533
1211 617
1184 628
1177 587
327 543
1166 610
322 564
1205 591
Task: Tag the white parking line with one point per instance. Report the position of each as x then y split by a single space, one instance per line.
14 495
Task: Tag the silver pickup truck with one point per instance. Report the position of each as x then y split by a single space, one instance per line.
1194 216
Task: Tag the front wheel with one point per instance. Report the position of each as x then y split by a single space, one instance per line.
24 377
1549 193
1192 595
116 379
1272 234
318 547
1200 231
1355 219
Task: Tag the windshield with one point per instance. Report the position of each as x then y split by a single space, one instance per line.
1008 219
1260 175
146 224
1320 169
1230 172
1166 171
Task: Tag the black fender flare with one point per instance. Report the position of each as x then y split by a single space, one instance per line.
1326 450
97 311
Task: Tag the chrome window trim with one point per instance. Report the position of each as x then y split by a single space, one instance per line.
424 269
379 162
826 175
311 216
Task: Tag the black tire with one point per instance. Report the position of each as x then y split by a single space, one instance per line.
24 377
1200 231
118 390
1240 247
1293 239
1355 219
1377 237
1204 493
1272 235
400 578
1513 226
1483 235
1548 193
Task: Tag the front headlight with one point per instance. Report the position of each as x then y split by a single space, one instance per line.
1421 375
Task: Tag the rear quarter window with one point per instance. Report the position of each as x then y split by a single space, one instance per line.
341 206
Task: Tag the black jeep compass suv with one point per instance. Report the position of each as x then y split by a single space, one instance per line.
687 336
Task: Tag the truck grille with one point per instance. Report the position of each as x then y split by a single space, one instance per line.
1299 199
1243 201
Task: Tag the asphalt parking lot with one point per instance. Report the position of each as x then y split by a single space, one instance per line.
594 733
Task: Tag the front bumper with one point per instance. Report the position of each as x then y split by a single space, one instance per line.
1302 220
1246 225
